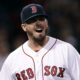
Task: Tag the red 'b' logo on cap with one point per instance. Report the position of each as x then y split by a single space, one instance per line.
34 9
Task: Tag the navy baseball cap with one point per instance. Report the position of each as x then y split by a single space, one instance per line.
32 10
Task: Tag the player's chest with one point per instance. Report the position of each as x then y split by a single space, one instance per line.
44 67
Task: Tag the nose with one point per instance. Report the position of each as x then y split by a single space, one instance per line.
38 23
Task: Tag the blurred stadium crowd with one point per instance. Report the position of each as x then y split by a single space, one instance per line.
64 21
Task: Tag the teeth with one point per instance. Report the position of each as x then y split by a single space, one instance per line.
39 30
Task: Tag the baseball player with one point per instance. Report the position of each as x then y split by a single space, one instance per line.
41 57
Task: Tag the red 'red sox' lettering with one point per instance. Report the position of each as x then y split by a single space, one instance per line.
18 76
30 73
48 70
54 71
61 72
25 74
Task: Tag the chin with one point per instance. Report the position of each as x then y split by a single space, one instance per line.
39 38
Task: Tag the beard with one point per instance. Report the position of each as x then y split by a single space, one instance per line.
38 37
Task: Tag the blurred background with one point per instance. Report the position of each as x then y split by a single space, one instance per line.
64 22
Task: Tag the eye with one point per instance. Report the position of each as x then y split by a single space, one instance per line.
41 18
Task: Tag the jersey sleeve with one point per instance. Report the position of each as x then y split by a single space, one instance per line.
5 73
73 63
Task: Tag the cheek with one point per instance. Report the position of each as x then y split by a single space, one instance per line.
46 25
28 28
46 28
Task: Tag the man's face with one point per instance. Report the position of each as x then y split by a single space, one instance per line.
36 28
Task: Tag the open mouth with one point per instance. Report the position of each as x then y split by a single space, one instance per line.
39 30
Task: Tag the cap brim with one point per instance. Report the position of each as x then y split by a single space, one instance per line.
35 16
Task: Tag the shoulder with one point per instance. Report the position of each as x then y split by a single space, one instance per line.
69 49
66 49
65 46
60 42
14 55
17 51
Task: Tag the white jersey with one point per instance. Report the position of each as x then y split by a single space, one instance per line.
57 60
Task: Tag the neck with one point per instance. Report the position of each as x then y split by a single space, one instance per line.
36 45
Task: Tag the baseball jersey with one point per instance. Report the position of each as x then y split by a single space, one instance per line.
57 60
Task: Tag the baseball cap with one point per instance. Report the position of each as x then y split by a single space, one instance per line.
32 10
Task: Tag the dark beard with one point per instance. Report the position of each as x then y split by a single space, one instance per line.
39 39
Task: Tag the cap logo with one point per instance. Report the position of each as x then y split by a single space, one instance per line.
34 9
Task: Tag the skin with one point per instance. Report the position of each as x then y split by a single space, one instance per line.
37 33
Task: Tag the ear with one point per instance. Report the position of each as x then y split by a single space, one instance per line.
23 27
